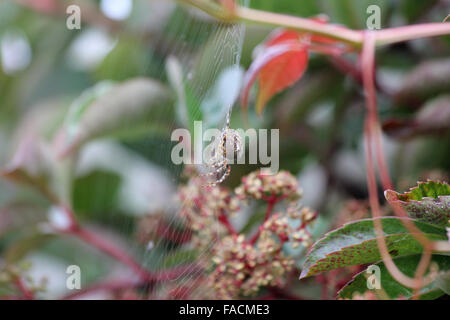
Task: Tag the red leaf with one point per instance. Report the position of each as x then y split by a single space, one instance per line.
280 35
282 60
323 39
276 67
280 73
323 19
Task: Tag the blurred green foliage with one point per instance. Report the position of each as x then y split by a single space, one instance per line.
320 118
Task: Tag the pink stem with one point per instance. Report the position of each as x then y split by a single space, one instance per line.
370 129
166 275
106 286
27 294
270 204
400 34
167 232
112 250
223 219
10 298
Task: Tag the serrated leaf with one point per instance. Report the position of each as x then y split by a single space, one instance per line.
393 289
125 108
355 243
428 201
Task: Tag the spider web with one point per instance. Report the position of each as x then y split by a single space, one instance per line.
204 48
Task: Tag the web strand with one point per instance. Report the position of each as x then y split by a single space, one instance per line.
195 37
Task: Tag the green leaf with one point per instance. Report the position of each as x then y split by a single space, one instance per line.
353 13
443 281
301 8
80 105
221 51
413 10
187 105
430 189
355 243
70 251
31 163
133 51
222 96
428 201
96 192
22 247
95 198
392 288
124 109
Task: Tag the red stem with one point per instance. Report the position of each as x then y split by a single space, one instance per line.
112 250
10 298
167 232
146 277
27 294
223 219
108 286
405 33
112 285
327 50
270 204
371 130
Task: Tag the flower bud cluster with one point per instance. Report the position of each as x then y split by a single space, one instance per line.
147 229
290 227
10 273
201 207
242 268
262 185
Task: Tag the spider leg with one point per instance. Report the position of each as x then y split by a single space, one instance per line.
215 172
218 166
225 175
222 178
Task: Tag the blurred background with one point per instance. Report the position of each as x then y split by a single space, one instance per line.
86 115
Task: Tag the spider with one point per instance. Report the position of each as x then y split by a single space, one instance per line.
218 165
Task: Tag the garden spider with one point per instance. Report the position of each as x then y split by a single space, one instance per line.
218 165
